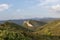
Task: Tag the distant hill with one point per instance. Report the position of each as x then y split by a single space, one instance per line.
12 31
30 30
12 25
20 21
33 24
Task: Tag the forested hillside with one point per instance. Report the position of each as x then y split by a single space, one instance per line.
43 31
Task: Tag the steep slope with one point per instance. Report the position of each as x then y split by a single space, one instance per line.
52 28
33 24
50 31
12 31
12 25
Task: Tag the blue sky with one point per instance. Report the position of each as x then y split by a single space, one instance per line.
19 9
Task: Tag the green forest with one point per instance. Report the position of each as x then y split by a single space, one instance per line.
39 31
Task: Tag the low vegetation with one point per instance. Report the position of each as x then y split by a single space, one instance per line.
48 31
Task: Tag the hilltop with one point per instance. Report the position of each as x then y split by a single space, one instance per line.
30 30
20 21
50 31
33 24
12 31
52 27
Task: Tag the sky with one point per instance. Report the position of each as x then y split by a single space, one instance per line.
21 9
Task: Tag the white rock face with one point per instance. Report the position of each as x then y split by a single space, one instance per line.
28 24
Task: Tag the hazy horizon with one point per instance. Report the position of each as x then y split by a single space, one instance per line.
23 9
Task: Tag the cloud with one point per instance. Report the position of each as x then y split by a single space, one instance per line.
51 6
55 9
46 2
18 10
4 7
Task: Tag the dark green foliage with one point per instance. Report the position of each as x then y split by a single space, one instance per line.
12 31
11 35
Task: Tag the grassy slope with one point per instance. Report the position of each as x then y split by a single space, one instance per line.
12 31
52 28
